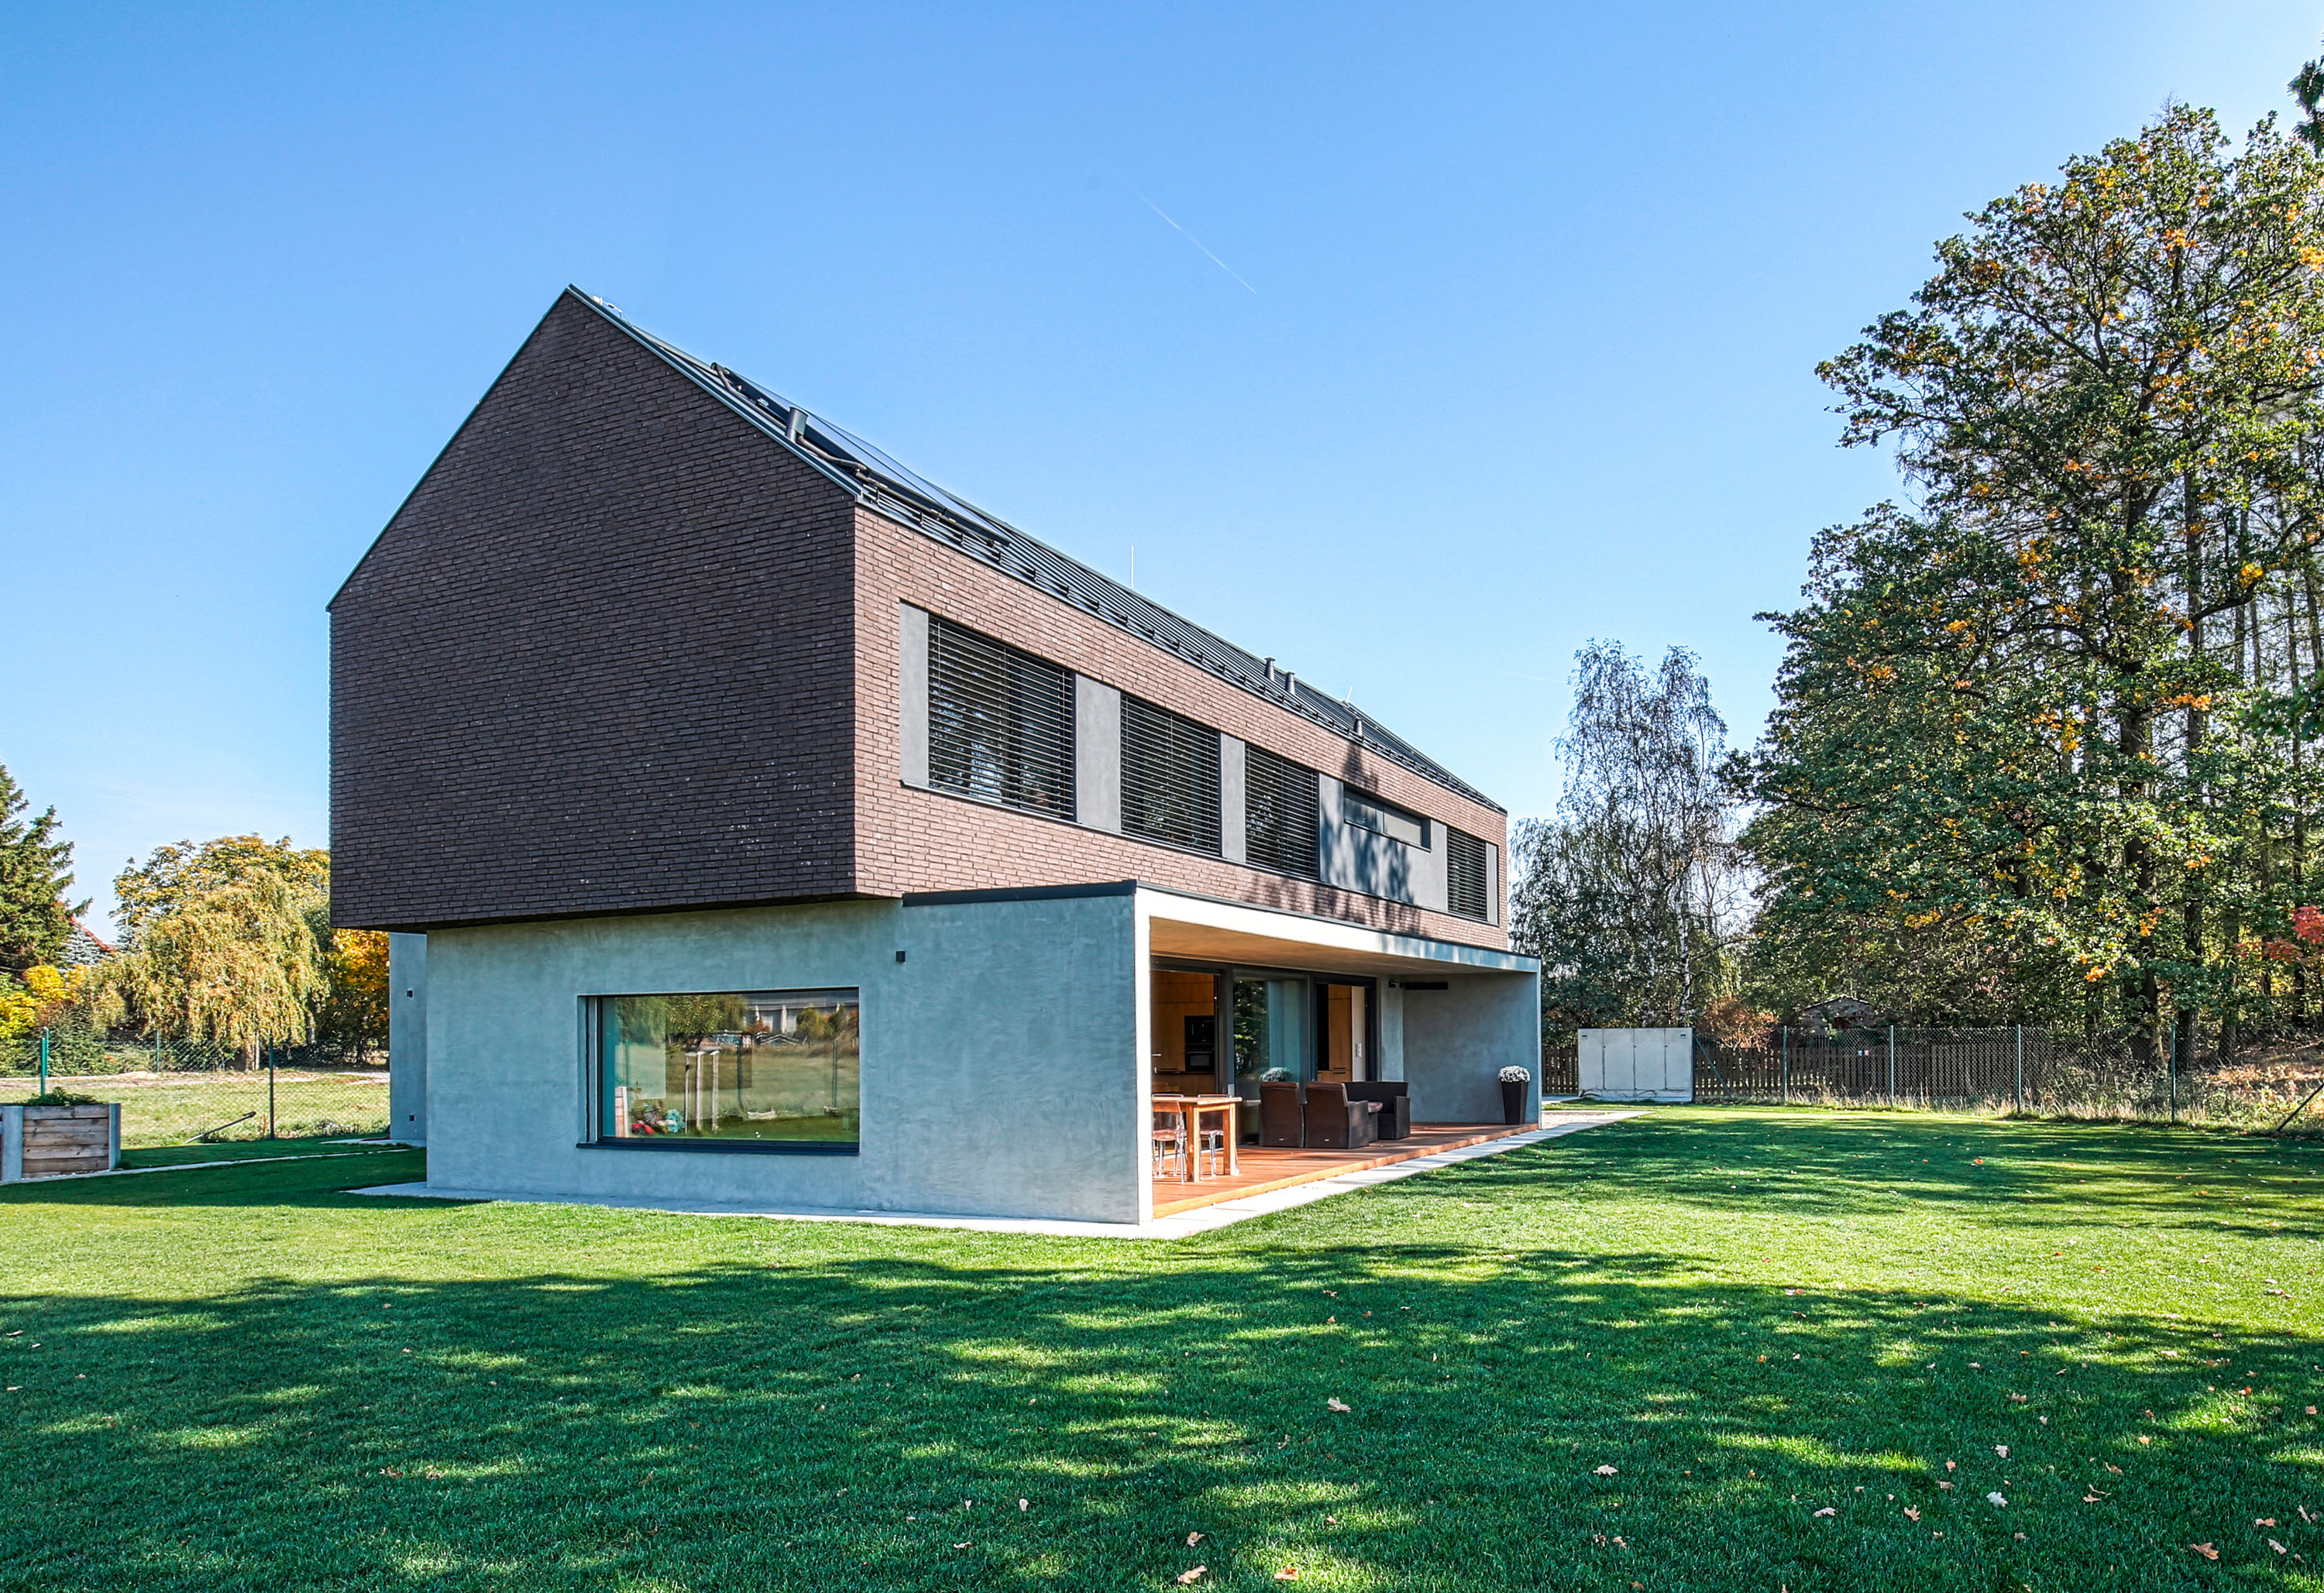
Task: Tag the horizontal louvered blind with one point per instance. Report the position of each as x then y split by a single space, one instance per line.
1000 723
1279 800
1468 865
1169 777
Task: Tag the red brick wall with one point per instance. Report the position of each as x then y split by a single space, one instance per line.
910 839
599 660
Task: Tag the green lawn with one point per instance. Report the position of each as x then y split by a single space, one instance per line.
1785 1332
170 1108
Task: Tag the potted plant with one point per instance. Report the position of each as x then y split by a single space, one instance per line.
1514 1081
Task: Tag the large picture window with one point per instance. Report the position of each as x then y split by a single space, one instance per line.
1279 814
764 1069
1000 723
1169 777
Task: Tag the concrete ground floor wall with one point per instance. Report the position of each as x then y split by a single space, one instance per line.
998 1075
1003 1039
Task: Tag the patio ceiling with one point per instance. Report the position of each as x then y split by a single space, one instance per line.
1204 930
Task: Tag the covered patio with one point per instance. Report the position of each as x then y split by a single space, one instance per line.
1339 1049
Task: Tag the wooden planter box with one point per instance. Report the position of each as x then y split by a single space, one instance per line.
48 1141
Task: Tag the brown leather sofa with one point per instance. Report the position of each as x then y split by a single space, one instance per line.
1395 1106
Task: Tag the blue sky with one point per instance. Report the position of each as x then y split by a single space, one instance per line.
1471 332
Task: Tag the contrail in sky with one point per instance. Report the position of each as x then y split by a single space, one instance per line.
1190 237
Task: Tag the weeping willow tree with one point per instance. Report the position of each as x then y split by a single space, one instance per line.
226 943
1629 894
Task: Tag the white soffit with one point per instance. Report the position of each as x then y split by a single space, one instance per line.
1212 931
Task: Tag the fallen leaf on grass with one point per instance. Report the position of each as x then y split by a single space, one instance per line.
960 1545
1995 1499
1827 1510
1193 1538
2206 1550
2002 1449
1911 1514
1604 1472
1024 1503
1289 1573
2276 1546
1337 1405
1187 1578
2264 1520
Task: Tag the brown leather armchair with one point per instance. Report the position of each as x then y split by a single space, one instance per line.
1395 1106
1279 1118
1335 1122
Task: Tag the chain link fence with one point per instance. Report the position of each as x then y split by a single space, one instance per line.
2045 1072
179 1091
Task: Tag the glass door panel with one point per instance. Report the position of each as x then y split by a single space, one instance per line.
1270 1032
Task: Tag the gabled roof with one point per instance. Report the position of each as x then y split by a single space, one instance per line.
881 483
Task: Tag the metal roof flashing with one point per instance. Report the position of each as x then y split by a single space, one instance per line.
879 482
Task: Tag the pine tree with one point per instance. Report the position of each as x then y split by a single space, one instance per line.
35 869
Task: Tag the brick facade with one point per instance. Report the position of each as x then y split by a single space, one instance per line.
622 651
910 839
599 661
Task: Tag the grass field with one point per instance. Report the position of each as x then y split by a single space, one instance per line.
171 1108
1802 1341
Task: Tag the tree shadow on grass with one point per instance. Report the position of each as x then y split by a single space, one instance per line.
788 1407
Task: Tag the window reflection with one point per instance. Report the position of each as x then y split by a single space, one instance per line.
764 1066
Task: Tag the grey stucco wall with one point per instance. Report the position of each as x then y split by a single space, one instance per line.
1000 1072
912 686
1097 754
1234 815
1457 1040
407 1038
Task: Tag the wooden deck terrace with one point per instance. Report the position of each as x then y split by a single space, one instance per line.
1265 1169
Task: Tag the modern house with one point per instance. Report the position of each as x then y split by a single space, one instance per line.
762 824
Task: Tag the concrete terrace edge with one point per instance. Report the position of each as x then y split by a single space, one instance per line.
1184 1225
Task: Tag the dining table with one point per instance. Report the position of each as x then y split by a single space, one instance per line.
1190 1110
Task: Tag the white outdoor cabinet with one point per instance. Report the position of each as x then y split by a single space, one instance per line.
1638 1064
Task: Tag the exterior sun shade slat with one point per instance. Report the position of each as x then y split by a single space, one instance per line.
1000 723
1279 814
1169 777
1465 865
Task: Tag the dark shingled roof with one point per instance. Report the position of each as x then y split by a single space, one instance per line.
881 483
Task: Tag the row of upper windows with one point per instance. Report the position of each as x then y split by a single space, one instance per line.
1001 729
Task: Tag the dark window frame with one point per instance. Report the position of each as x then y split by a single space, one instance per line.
1468 876
599 1138
1000 723
1170 778
1352 799
1271 783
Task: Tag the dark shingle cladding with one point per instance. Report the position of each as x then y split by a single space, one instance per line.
881 483
601 660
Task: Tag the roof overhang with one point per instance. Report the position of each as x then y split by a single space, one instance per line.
1205 929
